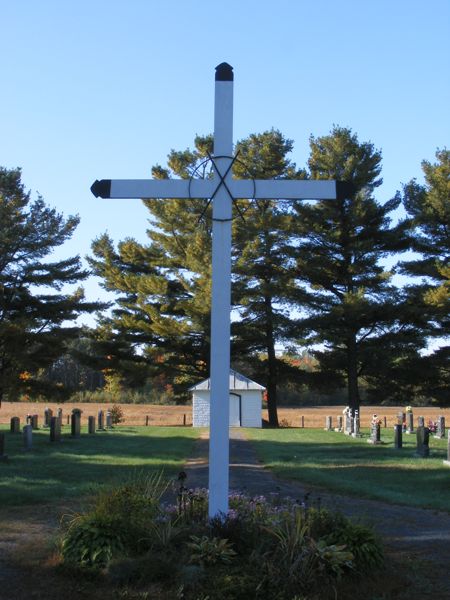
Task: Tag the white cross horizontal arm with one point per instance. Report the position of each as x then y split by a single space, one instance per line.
154 188
287 189
205 188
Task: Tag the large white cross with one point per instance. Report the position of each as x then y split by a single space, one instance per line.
222 189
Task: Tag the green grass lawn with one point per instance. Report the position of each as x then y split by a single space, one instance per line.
352 466
73 468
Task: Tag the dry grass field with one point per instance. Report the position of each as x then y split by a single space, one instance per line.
136 414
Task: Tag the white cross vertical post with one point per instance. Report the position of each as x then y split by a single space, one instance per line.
222 189
221 296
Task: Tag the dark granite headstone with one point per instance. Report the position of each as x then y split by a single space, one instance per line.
398 436
28 437
59 414
75 422
91 424
34 421
55 429
48 414
423 438
15 425
109 420
101 420
3 456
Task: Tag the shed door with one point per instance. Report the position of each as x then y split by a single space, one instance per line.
235 410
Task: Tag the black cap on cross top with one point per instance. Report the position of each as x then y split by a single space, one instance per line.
224 72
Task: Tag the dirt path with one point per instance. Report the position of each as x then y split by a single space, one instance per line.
417 535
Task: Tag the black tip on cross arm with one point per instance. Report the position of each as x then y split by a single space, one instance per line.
345 190
101 188
224 72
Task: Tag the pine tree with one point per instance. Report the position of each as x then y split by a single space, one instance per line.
263 277
347 293
33 308
164 287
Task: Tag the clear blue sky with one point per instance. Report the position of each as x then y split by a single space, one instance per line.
104 89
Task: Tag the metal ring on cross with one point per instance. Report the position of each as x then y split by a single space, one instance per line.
211 159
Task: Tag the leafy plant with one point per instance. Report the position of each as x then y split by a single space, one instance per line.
207 551
117 415
92 541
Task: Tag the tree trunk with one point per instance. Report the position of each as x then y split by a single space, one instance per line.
352 374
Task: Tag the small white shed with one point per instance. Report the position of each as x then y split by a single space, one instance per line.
245 402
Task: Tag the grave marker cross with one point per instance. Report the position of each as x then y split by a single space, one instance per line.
222 189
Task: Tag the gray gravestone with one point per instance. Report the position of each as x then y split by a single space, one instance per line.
423 438
3 456
375 434
101 420
75 423
55 429
34 421
328 423
339 423
48 414
447 462
91 424
420 421
15 425
409 422
356 430
398 436
348 424
28 437
440 428
109 420
60 415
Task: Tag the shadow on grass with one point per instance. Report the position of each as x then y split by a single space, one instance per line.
76 467
354 467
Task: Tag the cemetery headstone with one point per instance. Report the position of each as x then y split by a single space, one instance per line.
75 422
401 419
15 425
356 428
420 421
68 419
339 424
55 429
410 422
328 423
3 456
101 420
59 414
348 425
423 438
109 420
48 414
34 421
440 428
375 431
28 437
29 419
398 436
447 462
91 424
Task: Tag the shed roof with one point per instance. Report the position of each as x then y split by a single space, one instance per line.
237 382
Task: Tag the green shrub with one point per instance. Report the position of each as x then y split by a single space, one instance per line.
117 415
207 551
92 541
